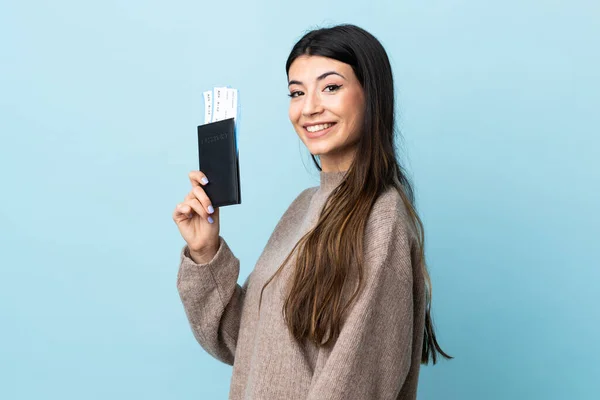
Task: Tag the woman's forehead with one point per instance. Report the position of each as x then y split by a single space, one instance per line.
311 67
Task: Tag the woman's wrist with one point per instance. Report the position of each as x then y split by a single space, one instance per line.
205 254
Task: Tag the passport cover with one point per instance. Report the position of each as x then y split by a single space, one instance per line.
219 161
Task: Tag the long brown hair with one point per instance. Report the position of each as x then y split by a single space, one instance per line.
313 309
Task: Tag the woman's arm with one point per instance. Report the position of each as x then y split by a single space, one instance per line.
372 356
213 300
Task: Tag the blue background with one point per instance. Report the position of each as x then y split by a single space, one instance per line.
498 103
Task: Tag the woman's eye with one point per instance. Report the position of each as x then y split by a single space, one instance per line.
294 94
333 87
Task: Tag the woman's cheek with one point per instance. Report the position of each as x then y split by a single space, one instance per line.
292 113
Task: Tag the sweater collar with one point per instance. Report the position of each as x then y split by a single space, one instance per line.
330 180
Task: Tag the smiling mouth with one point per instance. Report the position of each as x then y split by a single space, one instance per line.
319 128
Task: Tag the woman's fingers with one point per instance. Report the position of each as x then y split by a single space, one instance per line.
192 205
197 194
196 202
197 178
183 209
201 196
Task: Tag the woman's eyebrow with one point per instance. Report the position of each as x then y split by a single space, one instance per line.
319 78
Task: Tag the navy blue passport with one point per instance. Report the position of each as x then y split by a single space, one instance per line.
219 161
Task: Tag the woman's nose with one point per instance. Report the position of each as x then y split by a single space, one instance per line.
312 104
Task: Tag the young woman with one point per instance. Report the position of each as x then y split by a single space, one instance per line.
338 304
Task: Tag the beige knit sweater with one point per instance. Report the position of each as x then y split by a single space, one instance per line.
377 355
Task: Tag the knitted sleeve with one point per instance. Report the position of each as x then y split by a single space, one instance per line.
372 356
213 300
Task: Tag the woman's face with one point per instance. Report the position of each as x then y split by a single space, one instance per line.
326 109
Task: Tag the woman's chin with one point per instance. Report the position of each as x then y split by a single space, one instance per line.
319 149
319 153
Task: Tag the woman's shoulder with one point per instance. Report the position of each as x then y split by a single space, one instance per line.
303 198
389 207
297 207
390 239
390 221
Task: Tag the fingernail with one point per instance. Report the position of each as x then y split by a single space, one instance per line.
190 215
204 180
211 209
210 220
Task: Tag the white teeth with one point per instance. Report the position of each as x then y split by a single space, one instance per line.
316 128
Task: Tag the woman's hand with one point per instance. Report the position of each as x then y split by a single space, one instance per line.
197 221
